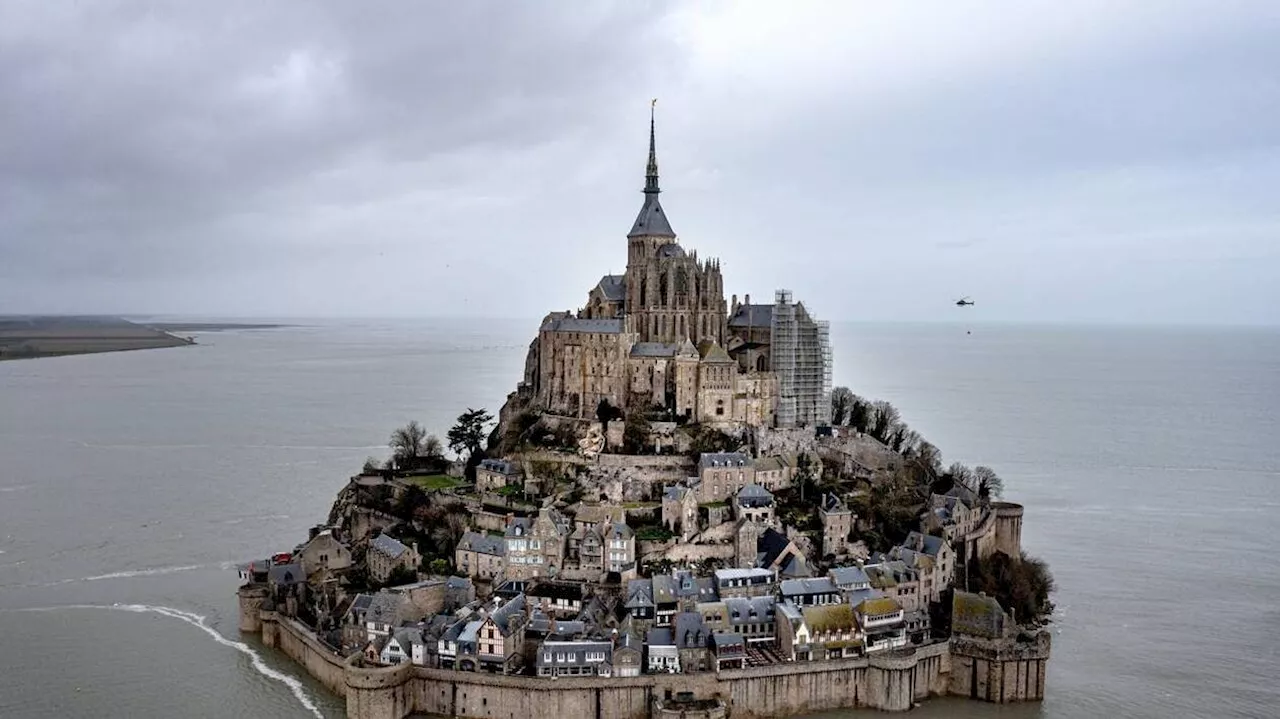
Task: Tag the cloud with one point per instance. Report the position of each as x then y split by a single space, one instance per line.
484 158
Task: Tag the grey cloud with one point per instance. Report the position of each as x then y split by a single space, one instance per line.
269 157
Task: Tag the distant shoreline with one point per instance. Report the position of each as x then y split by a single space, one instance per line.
33 337
212 326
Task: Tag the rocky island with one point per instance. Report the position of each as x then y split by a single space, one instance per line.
674 515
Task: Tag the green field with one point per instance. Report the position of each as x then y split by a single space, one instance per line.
433 482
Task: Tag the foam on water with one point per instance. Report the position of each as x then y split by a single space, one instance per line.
198 621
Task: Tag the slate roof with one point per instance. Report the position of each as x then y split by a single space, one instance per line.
385 608
729 644
574 324
661 637
388 545
613 287
616 530
752 316
652 221
519 527
749 610
574 653
664 589
753 495
503 616
724 459
690 631
926 543
407 637
286 575
358 607
844 576
653 349
639 593
807 587
482 543
833 503
771 545
858 596
713 353
500 466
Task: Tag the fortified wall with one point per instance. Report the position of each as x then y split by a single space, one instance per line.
994 671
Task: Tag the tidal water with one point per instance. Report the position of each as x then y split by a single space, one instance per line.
1148 460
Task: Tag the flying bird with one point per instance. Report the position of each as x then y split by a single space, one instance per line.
963 301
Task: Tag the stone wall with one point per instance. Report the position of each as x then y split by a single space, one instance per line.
1008 528
1001 671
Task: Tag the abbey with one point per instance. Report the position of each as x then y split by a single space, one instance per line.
661 337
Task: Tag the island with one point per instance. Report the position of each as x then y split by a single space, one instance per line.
674 515
25 337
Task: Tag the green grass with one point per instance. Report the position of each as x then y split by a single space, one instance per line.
434 482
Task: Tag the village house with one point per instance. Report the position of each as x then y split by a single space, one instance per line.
535 547
557 599
729 650
628 656
933 558
665 600
880 621
663 656
481 556
494 474
774 551
753 503
355 633
745 582
794 639
403 646
680 511
837 523
692 641
575 658
384 612
639 599
386 554
499 638
849 579
833 631
722 474
951 516
809 592
324 553
774 473
752 618
894 579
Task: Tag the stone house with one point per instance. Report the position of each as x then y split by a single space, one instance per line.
751 617
386 554
618 550
481 556
385 611
574 658
494 474
810 592
849 579
729 650
774 473
535 547
680 511
323 552
354 632
628 656
951 516
837 524
753 503
666 601
745 582
722 474
894 579
692 638
934 558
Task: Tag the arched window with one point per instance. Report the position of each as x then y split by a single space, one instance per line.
762 363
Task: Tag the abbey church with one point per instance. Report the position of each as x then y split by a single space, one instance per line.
661 337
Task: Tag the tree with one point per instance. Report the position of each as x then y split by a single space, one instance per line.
635 433
400 576
884 420
859 414
433 448
407 444
841 402
439 567
1022 585
371 466
606 412
470 431
986 483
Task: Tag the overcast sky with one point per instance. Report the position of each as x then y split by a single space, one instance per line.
1057 161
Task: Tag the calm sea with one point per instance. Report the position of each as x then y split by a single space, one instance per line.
130 483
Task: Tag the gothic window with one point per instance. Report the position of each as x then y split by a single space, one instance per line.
762 363
682 284
680 329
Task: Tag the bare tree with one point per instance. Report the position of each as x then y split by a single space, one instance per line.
407 444
987 483
841 402
432 447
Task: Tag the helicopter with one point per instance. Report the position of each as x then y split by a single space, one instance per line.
964 301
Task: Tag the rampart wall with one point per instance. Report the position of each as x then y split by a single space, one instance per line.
991 671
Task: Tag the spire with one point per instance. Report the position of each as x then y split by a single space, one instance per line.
651 170
652 221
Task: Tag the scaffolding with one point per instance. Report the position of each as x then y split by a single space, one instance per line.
800 352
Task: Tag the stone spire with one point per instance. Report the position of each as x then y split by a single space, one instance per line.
651 170
652 221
